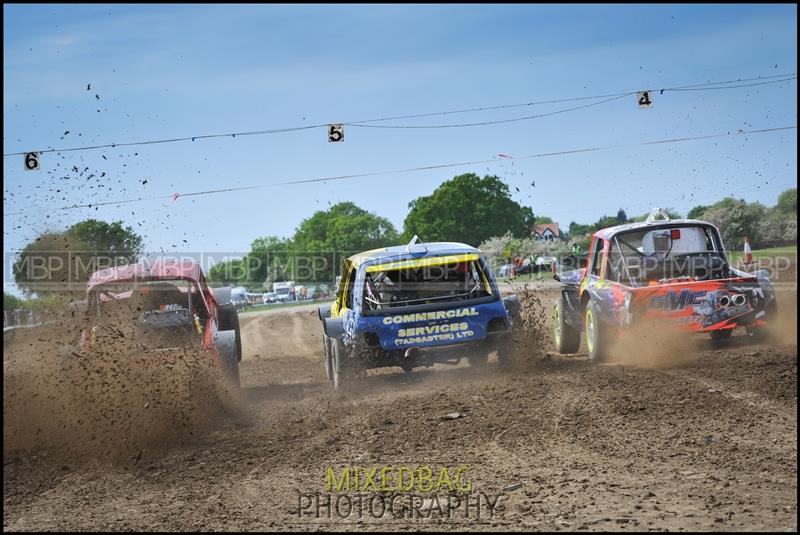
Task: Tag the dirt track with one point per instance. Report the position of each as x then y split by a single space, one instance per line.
707 442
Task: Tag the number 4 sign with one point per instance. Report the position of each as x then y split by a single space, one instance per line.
643 98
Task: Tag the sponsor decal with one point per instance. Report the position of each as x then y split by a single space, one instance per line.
429 316
441 332
678 300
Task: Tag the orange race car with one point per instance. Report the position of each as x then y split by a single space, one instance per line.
670 272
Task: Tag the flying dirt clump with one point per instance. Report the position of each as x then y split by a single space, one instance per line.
531 337
112 401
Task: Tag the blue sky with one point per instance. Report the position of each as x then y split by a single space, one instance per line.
167 71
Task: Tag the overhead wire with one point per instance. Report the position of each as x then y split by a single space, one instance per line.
368 123
176 196
500 121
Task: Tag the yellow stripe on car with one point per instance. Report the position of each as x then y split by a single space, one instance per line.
423 262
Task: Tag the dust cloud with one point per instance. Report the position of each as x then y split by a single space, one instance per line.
114 401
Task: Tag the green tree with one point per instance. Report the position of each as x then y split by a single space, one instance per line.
108 238
11 302
323 240
467 209
622 217
577 230
605 222
787 202
344 227
228 272
543 220
778 226
697 212
737 219
48 265
61 262
269 260
500 250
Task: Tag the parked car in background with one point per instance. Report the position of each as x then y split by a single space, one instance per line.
284 291
239 298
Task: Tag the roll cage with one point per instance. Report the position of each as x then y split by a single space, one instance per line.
621 257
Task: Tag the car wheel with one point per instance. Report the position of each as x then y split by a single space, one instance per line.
506 349
341 366
772 308
721 334
758 334
229 320
326 348
597 334
567 337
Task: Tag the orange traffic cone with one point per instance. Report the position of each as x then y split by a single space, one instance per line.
748 254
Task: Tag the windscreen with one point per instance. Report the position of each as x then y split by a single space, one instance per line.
661 254
438 281
157 315
154 304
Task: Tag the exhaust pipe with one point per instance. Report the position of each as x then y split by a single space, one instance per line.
724 301
411 353
739 299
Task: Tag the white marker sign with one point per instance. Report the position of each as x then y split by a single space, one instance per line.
335 133
32 161
644 99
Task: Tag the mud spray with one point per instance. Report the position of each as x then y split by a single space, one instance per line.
531 339
113 402
655 345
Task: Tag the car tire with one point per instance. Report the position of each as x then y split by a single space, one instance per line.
598 335
229 320
567 337
720 334
762 334
326 348
506 349
772 308
341 366
758 335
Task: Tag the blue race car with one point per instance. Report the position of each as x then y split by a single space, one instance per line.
416 305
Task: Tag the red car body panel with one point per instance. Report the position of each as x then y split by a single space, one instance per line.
160 270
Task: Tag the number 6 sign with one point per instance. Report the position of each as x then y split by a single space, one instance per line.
32 161
335 133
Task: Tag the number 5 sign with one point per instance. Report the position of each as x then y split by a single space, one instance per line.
32 161
335 133
643 98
